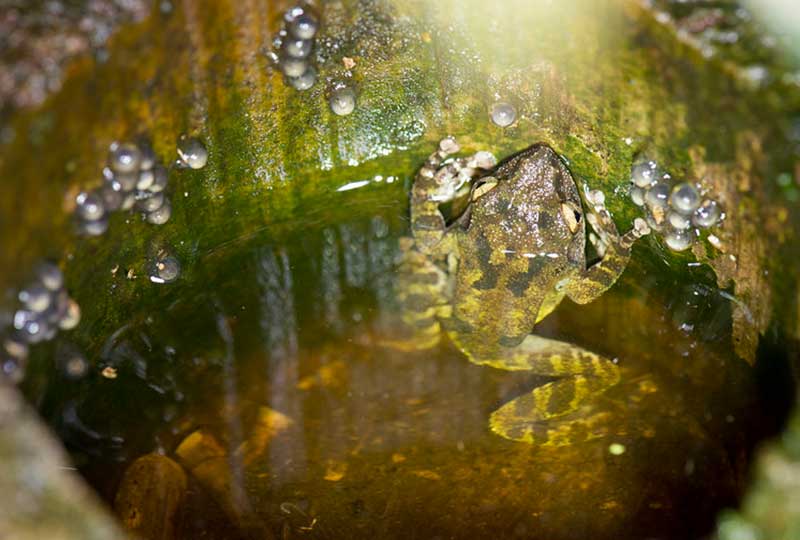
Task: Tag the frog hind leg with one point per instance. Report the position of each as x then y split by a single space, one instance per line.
558 413
614 250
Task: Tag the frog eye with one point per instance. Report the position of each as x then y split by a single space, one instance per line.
572 216
485 186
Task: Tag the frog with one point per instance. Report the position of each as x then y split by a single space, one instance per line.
504 263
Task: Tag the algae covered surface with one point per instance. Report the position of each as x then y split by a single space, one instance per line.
265 353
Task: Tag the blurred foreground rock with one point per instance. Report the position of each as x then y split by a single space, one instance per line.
41 498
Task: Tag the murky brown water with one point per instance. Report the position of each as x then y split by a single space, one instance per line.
266 362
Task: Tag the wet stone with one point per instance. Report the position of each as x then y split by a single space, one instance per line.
192 152
503 114
343 101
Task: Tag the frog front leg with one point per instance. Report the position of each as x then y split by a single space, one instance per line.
428 258
435 184
614 250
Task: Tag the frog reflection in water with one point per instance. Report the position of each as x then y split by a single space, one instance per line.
503 265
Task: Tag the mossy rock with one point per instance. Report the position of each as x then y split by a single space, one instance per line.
603 83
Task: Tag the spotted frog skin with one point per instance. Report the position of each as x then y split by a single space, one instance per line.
502 266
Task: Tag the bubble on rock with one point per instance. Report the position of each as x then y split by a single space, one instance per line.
653 223
293 67
50 276
30 326
96 227
36 297
297 48
124 157
128 201
678 240
146 179
707 214
160 179
304 81
160 216
685 198
165 269
148 157
192 152
292 13
303 26
151 203
637 195
644 174
343 101
90 206
12 368
657 196
73 365
503 114
59 307
678 220
15 347
112 198
72 317
127 181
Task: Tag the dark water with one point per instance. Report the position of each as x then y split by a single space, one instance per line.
270 353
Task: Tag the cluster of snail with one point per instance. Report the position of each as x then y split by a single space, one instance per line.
132 178
294 44
677 210
44 308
